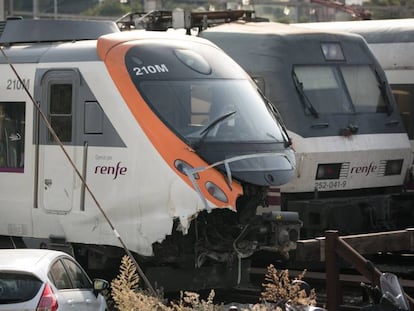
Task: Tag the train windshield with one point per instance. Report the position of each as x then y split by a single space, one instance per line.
339 89
201 93
214 110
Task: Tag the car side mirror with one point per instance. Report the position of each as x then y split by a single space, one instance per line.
99 285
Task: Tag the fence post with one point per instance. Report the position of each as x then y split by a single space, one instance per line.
332 271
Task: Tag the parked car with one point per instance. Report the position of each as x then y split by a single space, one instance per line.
40 279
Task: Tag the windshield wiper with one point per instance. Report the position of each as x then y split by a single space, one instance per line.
207 129
305 99
273 110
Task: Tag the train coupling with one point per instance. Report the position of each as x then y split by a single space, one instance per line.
284 227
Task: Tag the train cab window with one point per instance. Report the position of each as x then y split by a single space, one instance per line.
200 105
364 88
339 89
322 90
213 110
60 111
12 128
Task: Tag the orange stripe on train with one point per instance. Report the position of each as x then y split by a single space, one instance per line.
112 50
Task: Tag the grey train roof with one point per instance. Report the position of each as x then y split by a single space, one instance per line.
374 31
41 34
31 30
274 29
280 42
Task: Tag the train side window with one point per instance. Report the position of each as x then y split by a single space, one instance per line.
60 110
94 117
404 96
12 128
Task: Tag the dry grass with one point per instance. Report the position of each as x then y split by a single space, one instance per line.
278 291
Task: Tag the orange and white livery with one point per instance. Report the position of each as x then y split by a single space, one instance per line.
169 133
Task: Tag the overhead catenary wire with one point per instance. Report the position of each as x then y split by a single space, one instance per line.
58 141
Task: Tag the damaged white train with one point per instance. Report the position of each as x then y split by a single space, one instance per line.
170 135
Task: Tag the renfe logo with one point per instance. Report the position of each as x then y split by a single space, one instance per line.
111 170
371 168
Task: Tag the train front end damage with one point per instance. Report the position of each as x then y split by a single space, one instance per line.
221 138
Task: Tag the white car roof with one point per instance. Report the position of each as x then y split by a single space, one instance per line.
26 259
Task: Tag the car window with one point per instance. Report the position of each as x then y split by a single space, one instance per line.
77 275
59 276
18 287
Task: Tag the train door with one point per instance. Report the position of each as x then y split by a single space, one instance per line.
57 179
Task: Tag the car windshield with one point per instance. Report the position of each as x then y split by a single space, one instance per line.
216 110
339 89
18 287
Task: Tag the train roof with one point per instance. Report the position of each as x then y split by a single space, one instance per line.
374 31
268 46
105 43
271 28
259 28
259 31
66 47
274 29
31 30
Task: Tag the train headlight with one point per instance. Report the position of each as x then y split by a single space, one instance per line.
393 167
180 165
332 51
328 171
216 192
